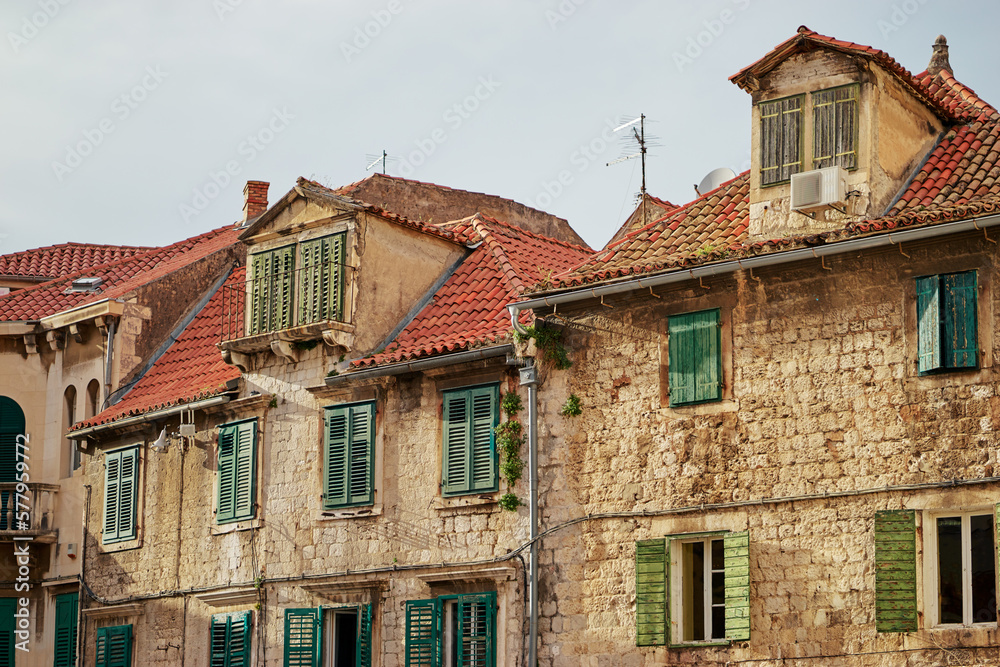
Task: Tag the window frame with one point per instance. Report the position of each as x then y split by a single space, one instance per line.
834 159
679 589
433 632
133 451
337 275
932 566
450 432
249 512
935 348
781 148
690 366
306 628
368 498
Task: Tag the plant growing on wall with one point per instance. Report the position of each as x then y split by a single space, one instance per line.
571 408
509 440
548 340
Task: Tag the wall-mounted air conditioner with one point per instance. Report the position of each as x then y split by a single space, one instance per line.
818 188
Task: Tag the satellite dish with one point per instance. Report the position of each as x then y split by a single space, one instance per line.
714 179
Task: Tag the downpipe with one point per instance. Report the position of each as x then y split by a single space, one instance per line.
529 379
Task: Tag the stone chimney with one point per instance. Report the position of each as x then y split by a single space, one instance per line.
254 199
939 59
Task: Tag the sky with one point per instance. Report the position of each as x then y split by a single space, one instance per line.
139 122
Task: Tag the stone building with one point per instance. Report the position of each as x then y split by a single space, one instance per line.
786 451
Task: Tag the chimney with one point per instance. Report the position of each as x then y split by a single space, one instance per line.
939 59
254 199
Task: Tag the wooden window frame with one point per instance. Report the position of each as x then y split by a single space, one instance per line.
67 609
932 566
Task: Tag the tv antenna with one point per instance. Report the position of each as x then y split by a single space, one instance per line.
375 159
639 135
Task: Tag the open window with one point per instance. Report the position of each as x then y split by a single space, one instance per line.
452 631
328 637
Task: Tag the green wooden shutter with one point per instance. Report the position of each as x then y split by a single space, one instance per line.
114 646
928 324
349 443
455 476
694 357
781 139
650 592
230 640
237 471
895 571
477 627
258 293
218 641
335 473
11 426
423 631
483 451
737 580
66 622
283 267
360 485
7 626
227 469
321 279
121 476
363 650
302 637
961 349
112 474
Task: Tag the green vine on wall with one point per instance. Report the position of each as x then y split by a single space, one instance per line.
549 342
571 408
509 440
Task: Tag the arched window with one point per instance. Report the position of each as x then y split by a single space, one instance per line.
93 398
11 426
70 456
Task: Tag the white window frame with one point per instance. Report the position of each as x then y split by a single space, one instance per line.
678 589
931 569
328 646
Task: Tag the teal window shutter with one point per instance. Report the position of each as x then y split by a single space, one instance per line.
477 627
423 633
695 357
650 592
363 650
121 478
7 627
321 279
114 646
230 640
960 330
929 324
302 637
11 426
237 471
895 571
470 454
349 436
67 609
737 582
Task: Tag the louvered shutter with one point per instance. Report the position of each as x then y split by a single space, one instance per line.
781 139
361 440
112 474
736 556
483 454
363 650
929 324
114 646
423 633
477 626
302 637
128 482
225 510
456 442
961 349
650 592
230 640
283 266
695 357
244 479
335 473
321 279
8 606
349 443
259 292
11 426
66 621
895 571
337 271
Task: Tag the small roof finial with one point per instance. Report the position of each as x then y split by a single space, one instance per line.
803 29
939 57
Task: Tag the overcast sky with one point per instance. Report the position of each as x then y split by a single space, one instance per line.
139 122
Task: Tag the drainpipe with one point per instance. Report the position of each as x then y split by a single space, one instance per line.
529 379
109 357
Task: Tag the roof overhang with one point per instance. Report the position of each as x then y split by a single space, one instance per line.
82 313
91 431
439 361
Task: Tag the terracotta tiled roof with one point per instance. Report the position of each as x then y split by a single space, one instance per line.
191 369
807 39
65 258
119 278
470 309
956 96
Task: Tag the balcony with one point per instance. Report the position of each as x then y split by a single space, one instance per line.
38 503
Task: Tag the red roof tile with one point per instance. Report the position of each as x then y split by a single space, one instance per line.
191 369
65 258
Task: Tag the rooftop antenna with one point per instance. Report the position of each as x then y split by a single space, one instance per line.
375 159
640 137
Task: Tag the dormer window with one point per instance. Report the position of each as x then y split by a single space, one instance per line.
834 129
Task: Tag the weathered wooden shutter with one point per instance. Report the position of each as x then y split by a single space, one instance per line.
928 324
230 640
302 637
258 293
335 473
895 571
362 440
423 631
737 580
483 454
651 592
8 606
961 349
121 476
477 626
65 639
321 279
695 357
227 467
237 478
284 287
363 650
114 646
835 115
349 443
11 426
781 139
456 442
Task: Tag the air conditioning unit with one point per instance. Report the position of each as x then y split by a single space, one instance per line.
818 188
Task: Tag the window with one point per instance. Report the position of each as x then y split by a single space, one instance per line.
708 597
66 618
780 139
237 471
694 342
230 640
835 127
349 440
72 455
452 631
470 453
11 426
946 321
347 641
121 494
114 646
319 281
8 606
